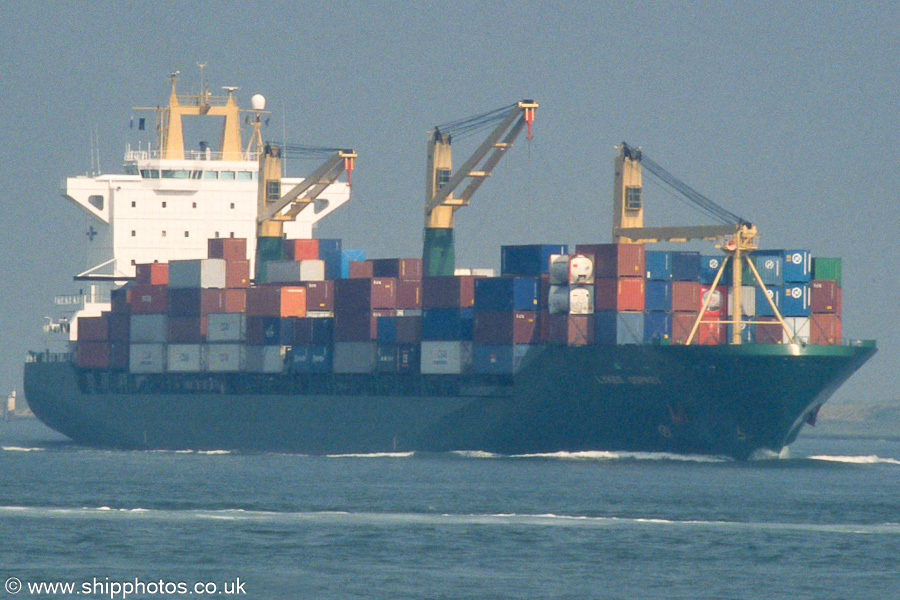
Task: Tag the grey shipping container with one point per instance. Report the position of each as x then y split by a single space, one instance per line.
198 273
186 358
147 358
225 358
355 357
226 327
446 357
149 328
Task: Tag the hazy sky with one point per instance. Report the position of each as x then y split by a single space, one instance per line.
784 112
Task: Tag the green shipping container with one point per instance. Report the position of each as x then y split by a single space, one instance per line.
827 269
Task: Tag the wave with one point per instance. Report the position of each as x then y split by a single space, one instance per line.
374 455
870 459
600 455
345 518
21 449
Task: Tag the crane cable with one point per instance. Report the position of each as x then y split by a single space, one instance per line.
463 128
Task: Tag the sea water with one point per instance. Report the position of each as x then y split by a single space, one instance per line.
823 522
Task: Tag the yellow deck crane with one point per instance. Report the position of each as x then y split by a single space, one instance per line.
736 237
275 208
438 254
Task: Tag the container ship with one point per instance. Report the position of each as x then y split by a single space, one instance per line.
215 319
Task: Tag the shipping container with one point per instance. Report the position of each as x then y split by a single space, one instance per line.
358 325
355 357
156 273
186 358
267 248
235 300
769 331
276 301
770 266
457 291
195 302
186 330
360 269
568 330
313 331
616 260
263 331
226 327
717 308
620 294
305 249
711 333
825 328
686 296
265 359
797 266
319 296
763 306
709 268
197 273
827 269
399 330
682 323
147 299
446 357
118 327
531 259
311 359
447 324
618 327
505 359
295 271
237 274
824 296
795 300
572 300
409 294
398 268
102 355
398 358
149 329
226 358
330 252
748 333
507 293
348 256
227 248
748 301
120 299
657 295
658 265
799 328
685 266
93 329
506 327
365 294
657 324
147 358
571 269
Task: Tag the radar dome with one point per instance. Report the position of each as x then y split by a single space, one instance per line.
258 102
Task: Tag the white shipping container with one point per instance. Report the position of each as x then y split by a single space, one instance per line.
484 272
748 301
265 359
226 327
355 357
446 358
295 271
149 329
197 273
799 328
225 358
186 358
572 300
147 358
571 269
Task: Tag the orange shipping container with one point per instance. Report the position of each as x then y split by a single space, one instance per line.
301 249
277 301
622 293
227 248
237 274
152 273
825 328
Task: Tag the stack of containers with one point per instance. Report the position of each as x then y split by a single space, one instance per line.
619 291
358 303
686 297
825 301
103 341
398 335
658 296
447 323
567 316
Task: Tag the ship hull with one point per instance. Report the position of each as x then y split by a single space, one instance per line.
714 400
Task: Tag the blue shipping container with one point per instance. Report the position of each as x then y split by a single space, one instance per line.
763 308
657 326
346 257
748 333
797 266
500 360
709 267
330 252
686 266
312 358
507 293
657 295
621 327
532 259
770 266
795 300
447 324
658 265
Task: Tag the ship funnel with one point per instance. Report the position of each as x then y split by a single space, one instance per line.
258 102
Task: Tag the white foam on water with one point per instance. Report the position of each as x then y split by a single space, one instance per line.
373 455
21 449
608 455
870 459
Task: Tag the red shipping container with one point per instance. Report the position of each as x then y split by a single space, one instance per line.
450 291
544 297
365 294
768 331
623 293
711 333
196 302
301 249
93 329
320 295
152 273
409 293
570 330
824 296
686 297
825 328
516 327
718 304
360 269
401 268
358 325
227 248
187 330
237 274
616 260
235 301
682 323
102 355
276 301
149 299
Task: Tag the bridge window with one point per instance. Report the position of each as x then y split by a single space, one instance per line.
176 174
210 174
632 198
245 175
150 173
96 202
226 175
